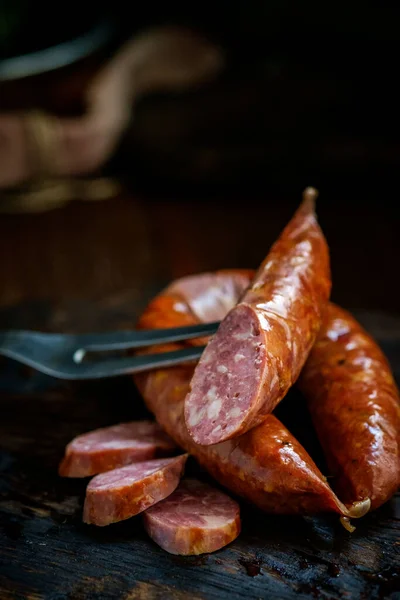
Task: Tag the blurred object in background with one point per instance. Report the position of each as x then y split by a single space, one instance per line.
38 145
37 38
203 140
309 93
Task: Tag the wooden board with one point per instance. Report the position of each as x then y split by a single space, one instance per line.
47 553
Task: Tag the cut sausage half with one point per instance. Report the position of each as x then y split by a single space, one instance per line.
263 342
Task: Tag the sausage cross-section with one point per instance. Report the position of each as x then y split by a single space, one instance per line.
266 465
194 519
263 342
127 491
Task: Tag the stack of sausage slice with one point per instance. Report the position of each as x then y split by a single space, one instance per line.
194 518
277 328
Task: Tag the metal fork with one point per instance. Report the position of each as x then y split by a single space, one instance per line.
63 355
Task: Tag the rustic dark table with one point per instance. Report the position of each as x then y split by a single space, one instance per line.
93 267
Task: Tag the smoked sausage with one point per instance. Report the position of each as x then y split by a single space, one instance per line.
354 404
194 519
111 447
123 493
262 343
266 465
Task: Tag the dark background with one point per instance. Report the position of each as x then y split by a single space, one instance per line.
210 176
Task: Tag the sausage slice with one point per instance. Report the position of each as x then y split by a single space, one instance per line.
111 447
195 519
125 492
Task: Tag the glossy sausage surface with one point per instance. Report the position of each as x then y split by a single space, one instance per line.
262 343
354 404
266 465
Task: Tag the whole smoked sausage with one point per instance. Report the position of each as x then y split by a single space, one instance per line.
266 465
354 404
262 343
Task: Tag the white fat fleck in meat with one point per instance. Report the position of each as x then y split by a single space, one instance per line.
242 336
238 357
215 405
222 369
207 358
196 416
212 394
214 409
235 412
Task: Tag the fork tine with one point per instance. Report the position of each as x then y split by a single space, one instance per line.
57 355
114 367
125 340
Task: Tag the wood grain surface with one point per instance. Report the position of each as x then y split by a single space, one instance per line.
88 267
135 244
46 552
265 133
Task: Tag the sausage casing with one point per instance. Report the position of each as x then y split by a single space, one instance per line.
266 465
263 342
354 404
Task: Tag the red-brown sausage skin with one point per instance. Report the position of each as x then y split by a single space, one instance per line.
354 404
266 465
262 343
